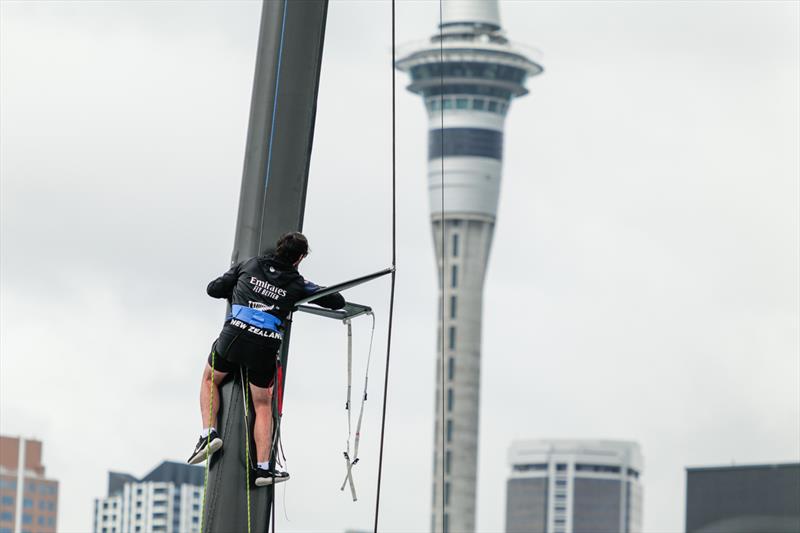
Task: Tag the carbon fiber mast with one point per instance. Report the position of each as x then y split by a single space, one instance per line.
271 202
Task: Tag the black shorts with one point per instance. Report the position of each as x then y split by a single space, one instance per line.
236 347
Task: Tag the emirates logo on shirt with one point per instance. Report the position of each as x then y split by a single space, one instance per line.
267 289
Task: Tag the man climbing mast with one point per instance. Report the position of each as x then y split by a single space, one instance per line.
262 292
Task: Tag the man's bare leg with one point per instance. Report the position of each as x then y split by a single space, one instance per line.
209 441
262 434
262 430
209 390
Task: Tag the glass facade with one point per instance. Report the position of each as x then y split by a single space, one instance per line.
466 69
475 142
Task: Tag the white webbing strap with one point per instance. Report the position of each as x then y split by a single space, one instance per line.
349 476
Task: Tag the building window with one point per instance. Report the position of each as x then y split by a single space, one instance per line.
27 519
446 523
449 430
449 400
454 276
561 483
447 459
447 493
451 368
6 516
492 106
451 337
27 503
561 466
478 104
529 467
447 104
597 468
452 307
455 244
462 103
502 109
8 500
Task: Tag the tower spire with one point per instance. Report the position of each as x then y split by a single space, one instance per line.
467 74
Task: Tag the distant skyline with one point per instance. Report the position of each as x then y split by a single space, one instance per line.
643 283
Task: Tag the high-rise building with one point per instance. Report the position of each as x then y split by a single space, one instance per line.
574 486
467 74
28 500
743 499
168 499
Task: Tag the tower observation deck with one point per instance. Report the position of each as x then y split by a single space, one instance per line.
467 74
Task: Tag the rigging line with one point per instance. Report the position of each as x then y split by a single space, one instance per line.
273 449
208 437
245 380
394 269
442 222
357 440
272 126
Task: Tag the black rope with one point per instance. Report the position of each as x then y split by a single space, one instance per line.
442 222
394 269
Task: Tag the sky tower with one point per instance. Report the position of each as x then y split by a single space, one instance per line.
467 74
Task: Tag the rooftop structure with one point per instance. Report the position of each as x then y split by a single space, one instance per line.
574 486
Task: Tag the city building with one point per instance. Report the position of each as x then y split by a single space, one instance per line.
574 486
28 500
467 74
743 499
168 499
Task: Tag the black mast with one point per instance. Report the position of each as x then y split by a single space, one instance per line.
271 202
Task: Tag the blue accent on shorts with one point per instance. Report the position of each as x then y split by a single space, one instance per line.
254 317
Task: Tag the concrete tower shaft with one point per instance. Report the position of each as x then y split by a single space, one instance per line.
462 248
467 74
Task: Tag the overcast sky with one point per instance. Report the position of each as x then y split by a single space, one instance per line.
643 282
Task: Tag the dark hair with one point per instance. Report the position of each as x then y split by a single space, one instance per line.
291 247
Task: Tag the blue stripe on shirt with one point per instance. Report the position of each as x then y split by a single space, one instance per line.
254 317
